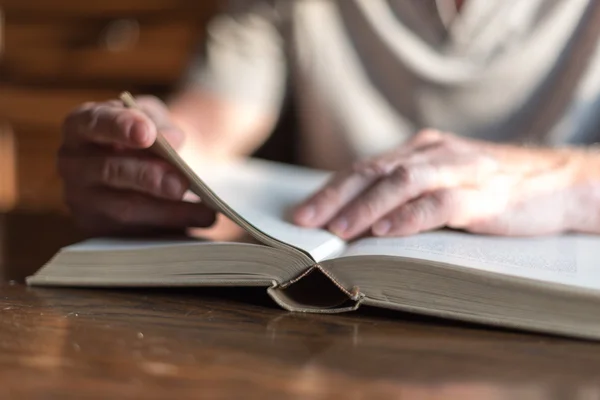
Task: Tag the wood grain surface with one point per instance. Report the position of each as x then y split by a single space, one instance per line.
231 343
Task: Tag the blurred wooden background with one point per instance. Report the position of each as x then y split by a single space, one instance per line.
53 56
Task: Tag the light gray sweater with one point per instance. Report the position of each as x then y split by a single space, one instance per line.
367 74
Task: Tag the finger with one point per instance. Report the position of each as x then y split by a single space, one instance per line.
344 187
107 124
422 173
162 118
428 136
339 191
404 184
430 211
148 174
419 149
115 211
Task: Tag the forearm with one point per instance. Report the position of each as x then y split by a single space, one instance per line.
218 127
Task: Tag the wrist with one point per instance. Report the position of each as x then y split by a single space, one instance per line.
582 212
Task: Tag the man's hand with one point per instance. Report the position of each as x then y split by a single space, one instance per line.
439 180
113 183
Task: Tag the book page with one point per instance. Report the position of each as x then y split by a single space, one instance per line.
265 193
116 244
570 259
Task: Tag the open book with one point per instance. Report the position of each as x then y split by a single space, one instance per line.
549 284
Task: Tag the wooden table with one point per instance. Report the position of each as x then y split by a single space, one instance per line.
67 343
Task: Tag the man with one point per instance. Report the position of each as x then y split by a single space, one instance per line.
378 84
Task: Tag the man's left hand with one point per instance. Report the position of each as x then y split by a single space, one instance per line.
440 180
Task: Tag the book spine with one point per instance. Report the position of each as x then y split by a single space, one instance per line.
354 293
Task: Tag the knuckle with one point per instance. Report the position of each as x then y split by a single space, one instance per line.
112 171
371 168
429 135
150 177
92 114
433 137
121 122
403 175
82 122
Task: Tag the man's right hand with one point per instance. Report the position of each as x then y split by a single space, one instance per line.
113 184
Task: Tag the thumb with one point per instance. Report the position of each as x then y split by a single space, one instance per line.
161 116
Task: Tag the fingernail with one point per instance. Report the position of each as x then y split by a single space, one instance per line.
382 227
339 226
172 186
306 214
